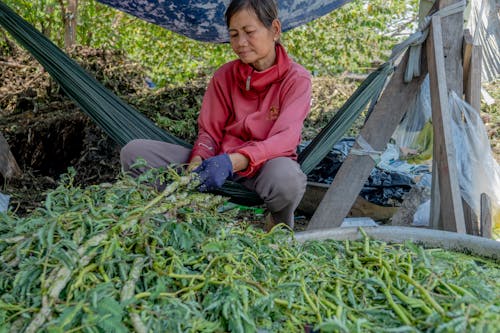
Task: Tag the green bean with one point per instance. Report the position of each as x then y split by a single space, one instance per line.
61 278
396 307
127 292
198 269
413 302
423 292
310 302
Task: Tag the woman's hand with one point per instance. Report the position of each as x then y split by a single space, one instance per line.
239 162
213 172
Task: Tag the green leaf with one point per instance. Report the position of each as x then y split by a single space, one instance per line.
109 306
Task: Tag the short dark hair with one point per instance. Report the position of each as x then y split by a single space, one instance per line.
266 10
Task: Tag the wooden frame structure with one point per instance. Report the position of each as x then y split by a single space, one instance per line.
452 64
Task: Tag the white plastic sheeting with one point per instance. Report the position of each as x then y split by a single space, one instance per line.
484 25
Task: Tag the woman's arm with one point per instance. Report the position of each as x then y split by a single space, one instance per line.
285 134
213 117
240 162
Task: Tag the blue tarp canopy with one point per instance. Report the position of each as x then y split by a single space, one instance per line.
203 20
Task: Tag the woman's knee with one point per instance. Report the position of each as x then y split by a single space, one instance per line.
130 152
289 182
155 153
292 185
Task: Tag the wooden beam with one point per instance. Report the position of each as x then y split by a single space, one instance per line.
445 174
486 222
467 53
472 57
452 33
8 164
452 36
378 129
473 78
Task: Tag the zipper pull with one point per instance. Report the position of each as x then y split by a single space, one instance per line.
248 83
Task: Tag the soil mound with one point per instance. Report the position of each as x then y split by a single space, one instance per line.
48 133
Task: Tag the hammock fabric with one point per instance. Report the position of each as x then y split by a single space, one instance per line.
203 20
123 123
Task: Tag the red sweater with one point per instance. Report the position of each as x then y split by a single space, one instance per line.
257 114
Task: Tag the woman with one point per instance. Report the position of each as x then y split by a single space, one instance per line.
251 117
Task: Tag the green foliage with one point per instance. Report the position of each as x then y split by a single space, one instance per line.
45 15
353 38
124 257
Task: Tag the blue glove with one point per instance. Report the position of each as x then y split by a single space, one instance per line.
214 171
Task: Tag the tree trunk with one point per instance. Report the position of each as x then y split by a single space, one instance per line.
70 23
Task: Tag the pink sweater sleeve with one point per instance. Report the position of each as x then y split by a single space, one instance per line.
213 116
285 134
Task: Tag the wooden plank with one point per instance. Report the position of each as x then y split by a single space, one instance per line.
452 36
361 207
452 33
486 220
472 57
467 53
472 226
473 78
378 129
449 201
435 219
8 164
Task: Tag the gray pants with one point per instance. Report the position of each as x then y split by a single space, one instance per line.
280 182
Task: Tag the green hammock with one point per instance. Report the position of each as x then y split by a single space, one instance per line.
124 123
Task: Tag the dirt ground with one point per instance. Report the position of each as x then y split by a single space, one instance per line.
47 133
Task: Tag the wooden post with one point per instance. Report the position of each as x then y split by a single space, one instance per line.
8 164
472 224
467 54
452 36
486 222
445 174
473 56
378 129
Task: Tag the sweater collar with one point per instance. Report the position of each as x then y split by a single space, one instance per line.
251 80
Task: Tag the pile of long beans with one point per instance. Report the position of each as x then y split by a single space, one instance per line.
124 257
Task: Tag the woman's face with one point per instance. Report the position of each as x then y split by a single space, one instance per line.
252 41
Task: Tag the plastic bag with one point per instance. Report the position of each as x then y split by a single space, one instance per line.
422 215
478 170
4 202
413 136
